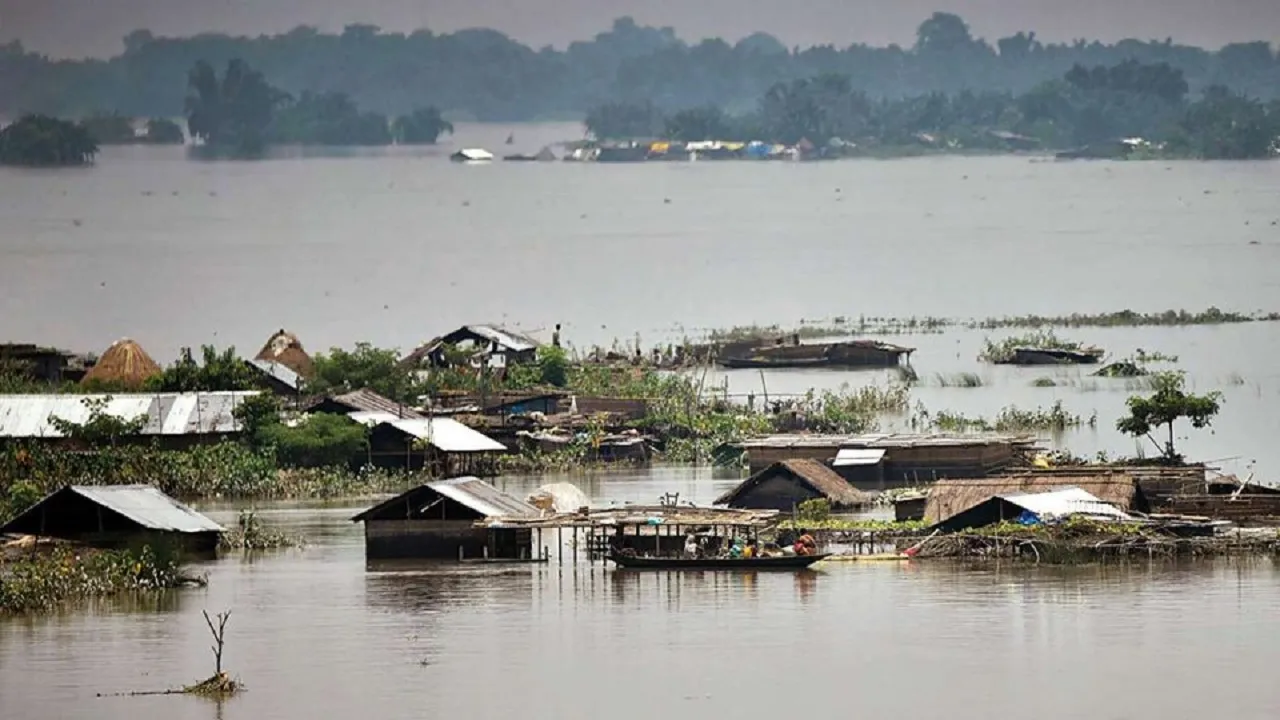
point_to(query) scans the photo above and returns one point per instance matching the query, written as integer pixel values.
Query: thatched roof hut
(283, 347)
(125, 364)
(948, 497)
(785, 484)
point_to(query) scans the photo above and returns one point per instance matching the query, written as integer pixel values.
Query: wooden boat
(780, 562)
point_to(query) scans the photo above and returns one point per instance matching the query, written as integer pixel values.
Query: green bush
(320, 440)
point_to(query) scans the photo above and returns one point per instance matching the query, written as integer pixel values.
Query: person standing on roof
(555, 336)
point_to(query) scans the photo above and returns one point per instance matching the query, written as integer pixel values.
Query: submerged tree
(423, 126)
(328, 119)
(41, 141)
(1169, 403)
(233, 113)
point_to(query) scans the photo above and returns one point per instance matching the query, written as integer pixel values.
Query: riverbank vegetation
(117, 129)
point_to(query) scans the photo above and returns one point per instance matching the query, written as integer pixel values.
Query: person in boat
(805, 544)
(691, 546)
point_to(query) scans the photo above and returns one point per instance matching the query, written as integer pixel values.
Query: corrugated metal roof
(504, 338)
(28, 416)
(370, 419)
(446, 434)
(147, 506)
(278, 372)
(858, 456)
(882, 440)
(484, 498)
(366, 400)
(1064, 502)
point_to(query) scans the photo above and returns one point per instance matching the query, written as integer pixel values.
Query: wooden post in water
(560, 545)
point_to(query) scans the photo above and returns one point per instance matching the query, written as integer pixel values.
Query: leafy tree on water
(327, 119)
(1170, 403)
(40, 141)
(233, 113)
(423, 126)
(365, 366)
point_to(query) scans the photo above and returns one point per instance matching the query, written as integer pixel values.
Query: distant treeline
(486, 75)
(1147, 105)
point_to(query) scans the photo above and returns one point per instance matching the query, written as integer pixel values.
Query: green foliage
(40, 141)
(1229, 126)
(423, 126)
(21, 495)
(255, 414)
(695, 124)
(553, 366)
(1170, 403)
(855, 525)
(250, 534)
(44, 582)
(364, 367)
(1011, 419)
(109, 128)
(813, 511)
(232, 114)
(319, 440)
(101, 428)
(161, 131)
(217, 371)
(327, 119)
(617, 120)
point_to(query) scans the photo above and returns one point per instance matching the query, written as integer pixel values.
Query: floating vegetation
(1235, 378)
(1055, 418)
(44, 581)
(854, 524)
(1127, 318)
(1002, 351)
(1142, 357)
(250, 534)
(1122, 369)
(1043, 382)
(961, 380)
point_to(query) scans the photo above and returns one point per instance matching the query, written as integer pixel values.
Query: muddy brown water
(318, 633)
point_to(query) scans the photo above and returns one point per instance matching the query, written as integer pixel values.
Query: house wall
(426, 539)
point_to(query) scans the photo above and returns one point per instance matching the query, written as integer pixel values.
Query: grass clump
(1043, 382)
(43, 582)
(960, 380)
(1128, 318)
(1055, 418)
(250, 534)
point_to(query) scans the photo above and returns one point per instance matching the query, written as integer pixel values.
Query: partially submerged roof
(506, 340)
(1045, 506)
(29, 416)
(949, 497)
(444, 434)
(819, 478)
(884, 440)
(468, 491)
(142, 505)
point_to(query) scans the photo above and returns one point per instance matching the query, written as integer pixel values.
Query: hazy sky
(76, 28)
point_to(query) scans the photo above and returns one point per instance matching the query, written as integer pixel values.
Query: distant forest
(485, 75)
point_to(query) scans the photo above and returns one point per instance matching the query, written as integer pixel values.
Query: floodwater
(396, 245)
(314, 633)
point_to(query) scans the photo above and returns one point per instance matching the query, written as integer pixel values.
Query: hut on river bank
(124, 365)
(116, 516)
(438, 520)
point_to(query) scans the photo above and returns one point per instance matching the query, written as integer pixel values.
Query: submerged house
(784, 485)
(1032, 508)
(115, 516)
(45, 364)
(951, 497)
(854, 353)
(1053, 356)
(361, 401)
(880, 461)
(439, 520)
(441, 445)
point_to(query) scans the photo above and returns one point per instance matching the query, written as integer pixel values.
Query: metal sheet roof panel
(484, 498)
(858, 456)
(1065, 502)
(279, 372)
(30, 416)
(447, 434)
(148, 507)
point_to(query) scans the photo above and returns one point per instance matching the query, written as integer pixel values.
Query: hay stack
(285, 348)
(125, 364)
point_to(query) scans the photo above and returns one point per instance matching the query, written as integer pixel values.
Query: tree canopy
(1170, 403)
(486, 75)
(39, 141)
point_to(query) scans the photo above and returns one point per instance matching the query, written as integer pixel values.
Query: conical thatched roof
(125, 363)
(284, 347)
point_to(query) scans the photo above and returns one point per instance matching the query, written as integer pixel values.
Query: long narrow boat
(781, 562)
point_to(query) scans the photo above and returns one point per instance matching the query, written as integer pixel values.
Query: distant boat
(471, 155)
(781, 562)
(511, 139)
